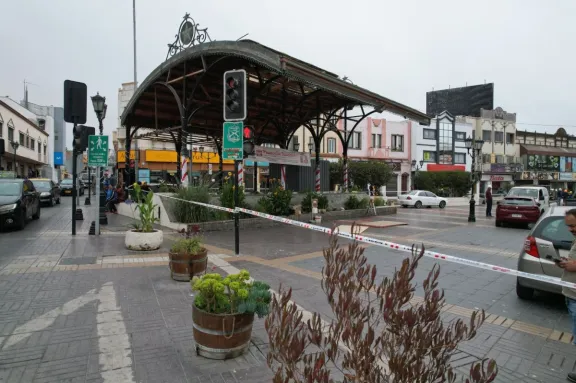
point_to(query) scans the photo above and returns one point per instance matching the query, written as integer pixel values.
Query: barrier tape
(392, 245)
(202, 204)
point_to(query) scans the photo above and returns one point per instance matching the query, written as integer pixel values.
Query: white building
(441, 146)
(18, 125)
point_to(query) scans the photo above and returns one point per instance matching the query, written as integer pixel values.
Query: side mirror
(542, 198)
(538, 204)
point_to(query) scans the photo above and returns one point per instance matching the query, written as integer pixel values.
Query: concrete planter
(137, 240)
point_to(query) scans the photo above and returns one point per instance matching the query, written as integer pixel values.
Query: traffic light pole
(74, 180)
(236, 214)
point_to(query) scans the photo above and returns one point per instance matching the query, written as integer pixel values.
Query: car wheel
(498, 223)
(442, 204)
(418, 205)
(404, 205)
(22, 223)
(37, 215)
(524, 292)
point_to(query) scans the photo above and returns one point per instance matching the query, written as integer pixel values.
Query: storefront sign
(501, 168)
(567, 164)
(497, 177)
(541, 162)
(566, 176)
(280, 156)
(543, 176)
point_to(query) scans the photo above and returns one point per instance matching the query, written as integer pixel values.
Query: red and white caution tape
(201, 204)
(404, 248)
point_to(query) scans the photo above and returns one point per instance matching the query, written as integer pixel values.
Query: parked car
(539, 193)
(517, 210)
(419, 198)
(49, 191)
(66, 187)
(19, 202)
(549, 239)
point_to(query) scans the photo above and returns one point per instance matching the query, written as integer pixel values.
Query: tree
(376, 173)
(377, 335)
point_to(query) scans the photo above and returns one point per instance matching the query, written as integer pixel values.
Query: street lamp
(296, 146)
(474, 148)
(100, 107)
(417, 166)
(15, 146)
(310, 147)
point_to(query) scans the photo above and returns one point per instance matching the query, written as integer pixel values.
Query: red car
(517, 210)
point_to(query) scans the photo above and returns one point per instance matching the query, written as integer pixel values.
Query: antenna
(240, 38)
(26, 83)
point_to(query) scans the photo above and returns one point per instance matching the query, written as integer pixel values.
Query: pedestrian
(120, 192)
(489, 202)
(111, 199)
(569, 275)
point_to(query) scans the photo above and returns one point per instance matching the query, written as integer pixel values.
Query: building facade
(441, 146)
(25, 143)
(547, 159)
(500, 152)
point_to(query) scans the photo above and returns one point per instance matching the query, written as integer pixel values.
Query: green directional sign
(97, 150)
(232, 141)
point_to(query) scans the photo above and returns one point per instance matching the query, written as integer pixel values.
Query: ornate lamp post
(310, 147)
(416, 166)
(15, 146)
(296, 146)
(474, 148)
(100, 107)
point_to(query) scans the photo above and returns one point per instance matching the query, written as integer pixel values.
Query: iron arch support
(200, 78)
(358, 123)
(176, 97)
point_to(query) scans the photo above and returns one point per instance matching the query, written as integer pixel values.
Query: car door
(34, 199)
(432, 199)
(27, 198)
(55, 190)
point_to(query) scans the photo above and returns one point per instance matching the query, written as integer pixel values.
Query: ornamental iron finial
(189, 34)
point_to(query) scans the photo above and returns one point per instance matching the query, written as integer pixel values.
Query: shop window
(460, 136)
(509, 138)
(429, 156)
(445, 143)
(460, 158)
(397, 143)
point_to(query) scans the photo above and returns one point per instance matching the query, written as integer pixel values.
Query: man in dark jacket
(489, 202)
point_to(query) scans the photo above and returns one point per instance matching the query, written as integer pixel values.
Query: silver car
(548, 240)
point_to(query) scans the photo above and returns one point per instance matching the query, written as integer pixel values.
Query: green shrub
(353, 203)
(186, 212)
(307, 201)
(227, 194)
(187, 246)
(379, 201)
(444, 184)
(360, 173)
(277, 201)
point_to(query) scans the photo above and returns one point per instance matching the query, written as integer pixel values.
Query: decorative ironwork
(189, 34)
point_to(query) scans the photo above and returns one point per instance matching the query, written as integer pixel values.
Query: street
(85, 309)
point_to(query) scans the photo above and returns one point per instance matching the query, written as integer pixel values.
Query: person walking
(111, 199)
(569, 275)
(489, 202)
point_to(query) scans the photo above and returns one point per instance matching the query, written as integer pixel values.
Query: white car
(419, 198)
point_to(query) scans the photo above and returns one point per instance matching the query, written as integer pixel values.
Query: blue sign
(58, 158)
(144, 175)
(251, 163)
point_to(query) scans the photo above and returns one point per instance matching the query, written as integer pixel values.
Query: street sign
(98, 151)
(233, 142)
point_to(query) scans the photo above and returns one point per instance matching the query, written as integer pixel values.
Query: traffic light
(77, 131)
(235, 95)
(248, 145)
(86, 132)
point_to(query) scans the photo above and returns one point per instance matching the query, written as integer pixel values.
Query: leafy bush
(444, 184)
(377, 334)
(191, 243)
(360, 173)
(227, 194)
(307, 201)
(187, 212)
(378, 201)
(232, 294)
(146, 209)
(165, 188)
(353, 203)
(277, 201)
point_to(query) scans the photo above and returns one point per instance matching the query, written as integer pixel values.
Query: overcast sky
(399, 49)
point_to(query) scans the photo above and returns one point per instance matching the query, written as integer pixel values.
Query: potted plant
(223, 313)
(143, 236)
(188, 257)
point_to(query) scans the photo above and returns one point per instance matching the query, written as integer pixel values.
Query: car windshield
(554, 229)
(520, 192)
(66, 182)
(10, 188)
(42, 185)
(517, 201)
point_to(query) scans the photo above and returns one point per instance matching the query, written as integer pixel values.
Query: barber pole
(346, 176)
(240, 173)
(184, 171)
(317, 181)
(283, 176)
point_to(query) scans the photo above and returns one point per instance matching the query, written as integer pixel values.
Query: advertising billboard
(464, 101)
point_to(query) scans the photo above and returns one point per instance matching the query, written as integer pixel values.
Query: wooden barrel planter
(221, 336)
(185, 266)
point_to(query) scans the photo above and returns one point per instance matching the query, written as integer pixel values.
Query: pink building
(388, 141)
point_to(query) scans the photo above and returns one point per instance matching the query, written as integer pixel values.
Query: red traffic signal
(248, 133)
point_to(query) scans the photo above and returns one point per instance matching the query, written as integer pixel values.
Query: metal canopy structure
(182, 99)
